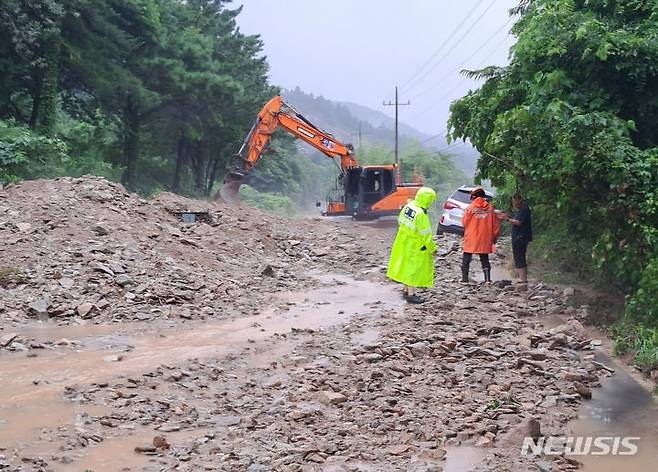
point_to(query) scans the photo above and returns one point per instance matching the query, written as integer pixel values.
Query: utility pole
(396, 104)
(359, 133)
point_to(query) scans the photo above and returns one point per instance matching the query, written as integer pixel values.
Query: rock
(160, 442)
(569, 292)
(102, 303)
(84, 308)
(6, 339)
(321, 252)
(420, 349)
(24, 227)
(123, 280)
(258, 468)
(502, 283)
(549, 401)
(267, 271)
(398, 449)
(228, 420)
(101, 268)
(538, 354)
(559, 340)
(40, 307)
(66, 282)
(146, 449)
(100, 231)
(583, 390)
(486, 440)
(534, 428)
(332, 398)
(371, 357)
(314, 457)
(169, 428)
(176, 376)
(544, 466)
(114, 358)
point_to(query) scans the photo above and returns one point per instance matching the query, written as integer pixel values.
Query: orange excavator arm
(278, 114)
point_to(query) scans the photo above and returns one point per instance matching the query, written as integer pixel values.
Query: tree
(571, 123)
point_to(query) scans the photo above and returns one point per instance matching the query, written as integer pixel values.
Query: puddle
(32, 388)
(118, 453)
(463, 458)
(367, 337)
(621, 407)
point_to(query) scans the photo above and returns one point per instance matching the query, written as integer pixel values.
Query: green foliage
(271, 202)
(26, 154)
(571, 123)
(158, 93)
(10, 276)
(639, 340)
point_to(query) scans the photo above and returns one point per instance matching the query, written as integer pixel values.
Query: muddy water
(31, 388)
(463, 458)
(621, 407)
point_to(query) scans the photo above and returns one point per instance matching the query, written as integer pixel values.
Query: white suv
(453, 210)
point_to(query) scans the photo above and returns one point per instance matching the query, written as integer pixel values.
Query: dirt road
(132, 341)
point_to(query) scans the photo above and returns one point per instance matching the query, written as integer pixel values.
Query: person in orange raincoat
(481, 230)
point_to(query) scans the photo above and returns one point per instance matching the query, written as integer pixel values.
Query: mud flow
(622, 407)
(31, 387)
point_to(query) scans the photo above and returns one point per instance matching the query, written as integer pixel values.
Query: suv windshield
(462, 196)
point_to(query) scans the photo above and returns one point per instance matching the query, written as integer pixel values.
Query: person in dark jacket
(521, 236)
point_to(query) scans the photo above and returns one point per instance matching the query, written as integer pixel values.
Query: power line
(459, 84)
(461, 64)
(454, 46)
(431, 138)
(443, 45)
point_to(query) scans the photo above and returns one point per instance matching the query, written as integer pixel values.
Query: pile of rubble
(85, 249)
(472, 366)
(387, 389)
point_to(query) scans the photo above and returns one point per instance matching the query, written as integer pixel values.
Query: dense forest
(571, 123)
(156, 93)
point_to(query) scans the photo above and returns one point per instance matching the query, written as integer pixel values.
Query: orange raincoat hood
(480, 202)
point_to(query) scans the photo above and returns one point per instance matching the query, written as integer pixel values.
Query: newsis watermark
(581, 446)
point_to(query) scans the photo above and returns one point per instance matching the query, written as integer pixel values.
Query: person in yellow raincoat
(412, 254)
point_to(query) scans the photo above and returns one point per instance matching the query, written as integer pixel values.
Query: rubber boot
(415, 299)
(487, 274)
(464, 274)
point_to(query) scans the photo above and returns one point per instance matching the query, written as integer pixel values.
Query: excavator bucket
(230, 192)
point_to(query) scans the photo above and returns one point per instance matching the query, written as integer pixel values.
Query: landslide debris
(472, 366)
(85, 248)
(388, 390)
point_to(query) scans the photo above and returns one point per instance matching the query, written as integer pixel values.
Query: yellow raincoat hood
(425, 197)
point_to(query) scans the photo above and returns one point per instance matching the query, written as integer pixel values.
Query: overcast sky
(358, 50)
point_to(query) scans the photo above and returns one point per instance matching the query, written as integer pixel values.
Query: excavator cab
(364, 187)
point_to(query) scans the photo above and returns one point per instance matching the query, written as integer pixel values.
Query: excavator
(364, 192)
